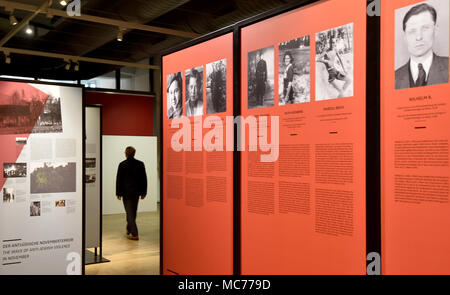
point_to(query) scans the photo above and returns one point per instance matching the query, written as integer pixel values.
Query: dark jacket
(438, 73)
(131, 178)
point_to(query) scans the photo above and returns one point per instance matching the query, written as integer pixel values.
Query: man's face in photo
(420, 31)
(193, 88)
(174, 94)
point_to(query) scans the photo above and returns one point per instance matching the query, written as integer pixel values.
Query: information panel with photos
(41, 152)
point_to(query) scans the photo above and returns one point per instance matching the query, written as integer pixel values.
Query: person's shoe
(134, 238)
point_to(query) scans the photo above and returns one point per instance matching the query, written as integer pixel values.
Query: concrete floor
(129, 257)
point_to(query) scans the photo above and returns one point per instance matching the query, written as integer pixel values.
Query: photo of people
(174, 96)
(52, 178)
(194, 92)
(294, 71)
(261, 78)
(422, 44)
(50, 120)
(89, 178)
(334, 63)
(14, 170)
(21, 140)
(8, 195)
(35, 208)
(216, 87)
(60, 203)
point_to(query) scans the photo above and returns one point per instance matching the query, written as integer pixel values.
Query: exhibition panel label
(197, 166)
(41, 213)
(303, 76)
(415, 138)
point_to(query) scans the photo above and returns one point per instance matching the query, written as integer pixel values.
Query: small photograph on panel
(194, 92)
(422, 44)
(21, 140)
(334, 63)
(90, 163)
(52, 178)
(50, 119)
(90, 178)
(35, 208)
(14, 170)
(294, 71)
(216, 87)
(261, 78)
(9, 195)
(60, 203)
(174, 96)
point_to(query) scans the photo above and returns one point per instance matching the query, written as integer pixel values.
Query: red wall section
(124, 114)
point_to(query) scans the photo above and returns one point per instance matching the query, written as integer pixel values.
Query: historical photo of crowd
(52, 177)
(216, 87)
(8, 195)
(294, 71)
(21, 140)
(194, 92)
(174, 96)
(90, 163)
(334, 63)
(14, 170)
(25, 109)
(35, 208)
(261, 78)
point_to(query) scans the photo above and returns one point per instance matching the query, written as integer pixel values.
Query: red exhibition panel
(414, 137)
(303, 210)
(198, 183)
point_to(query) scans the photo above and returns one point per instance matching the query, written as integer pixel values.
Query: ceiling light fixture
(77, 66)
(67, 67)
(63, 2)
(13, 20)
(7, 57)
(120, 35)
(29, 30)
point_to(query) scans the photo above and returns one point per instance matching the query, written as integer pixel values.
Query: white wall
(113, 154)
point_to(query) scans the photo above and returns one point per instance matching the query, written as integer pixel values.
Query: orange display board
(414, 137)
(303, 212)
(198, 183)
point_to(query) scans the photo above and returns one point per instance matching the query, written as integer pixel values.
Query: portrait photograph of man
(174, 96)
(194, 92)
(422, 44)
(261, 78)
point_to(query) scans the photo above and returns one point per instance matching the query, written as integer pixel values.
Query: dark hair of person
(417, 10)
(175, 77)
(195, 74)
(287, 53)
(130, 151)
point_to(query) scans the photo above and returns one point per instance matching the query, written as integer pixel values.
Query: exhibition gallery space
(235, 137)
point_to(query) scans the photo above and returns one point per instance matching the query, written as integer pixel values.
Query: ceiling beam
(97, 19)
(78, 58)
(24, 22)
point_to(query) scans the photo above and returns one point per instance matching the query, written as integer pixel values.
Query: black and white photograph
(174, 96)
(14, 170)
(9, 195)
(216, 87)
(20, 107)
(50, 120)
(294, 71)
(60, 203)
(422, 44)
(52, 178)
(35, 208)
(261, 78)
(21, 140)
(90, 178)
(334, 63)
(194, 92)
(90, 163)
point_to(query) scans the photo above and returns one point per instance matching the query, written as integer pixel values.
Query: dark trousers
(131, 205)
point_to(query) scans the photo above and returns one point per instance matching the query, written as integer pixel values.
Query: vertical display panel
(41, 212)
(415, 137)
(197, 167)
(303, 197)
